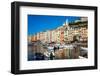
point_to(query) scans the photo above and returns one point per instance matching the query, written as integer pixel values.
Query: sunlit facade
(64, 33)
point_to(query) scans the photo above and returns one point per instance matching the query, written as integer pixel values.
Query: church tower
(66, 24)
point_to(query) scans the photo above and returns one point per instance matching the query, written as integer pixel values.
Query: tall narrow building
(66, 30)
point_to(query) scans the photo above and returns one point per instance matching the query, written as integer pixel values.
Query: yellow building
(29, 38)
(38, 36)
(58, 35)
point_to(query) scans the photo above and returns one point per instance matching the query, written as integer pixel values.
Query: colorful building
(64, 33)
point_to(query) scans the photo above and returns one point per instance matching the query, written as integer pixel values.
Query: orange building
(34, 38)
(61, 35)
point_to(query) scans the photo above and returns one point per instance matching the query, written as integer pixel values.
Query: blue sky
(39, 23)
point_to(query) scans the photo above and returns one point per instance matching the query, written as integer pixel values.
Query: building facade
(64, 33)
